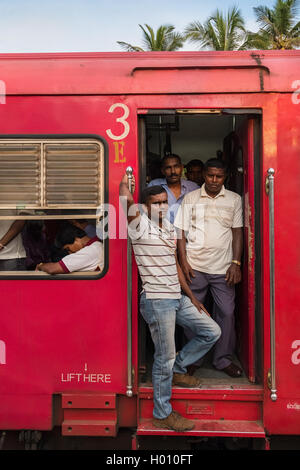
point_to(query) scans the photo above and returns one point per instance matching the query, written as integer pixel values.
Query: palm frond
(148, 37)
(278, 24)
(164, 39)
(129, 47)
(194, 31)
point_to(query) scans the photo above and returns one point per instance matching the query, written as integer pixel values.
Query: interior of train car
(233, 136)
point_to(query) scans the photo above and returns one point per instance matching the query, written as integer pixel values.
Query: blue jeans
(161, 316)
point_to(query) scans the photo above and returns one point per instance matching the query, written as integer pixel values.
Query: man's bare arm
(186, 289)
(181, 248)
(131, 208)
(15, 228)
(50, 268)
(234, 274)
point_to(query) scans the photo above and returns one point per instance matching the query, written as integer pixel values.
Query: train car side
(64, 342)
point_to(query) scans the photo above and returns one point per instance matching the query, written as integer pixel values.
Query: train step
(89, 415)
(211, 407)
(208, 428)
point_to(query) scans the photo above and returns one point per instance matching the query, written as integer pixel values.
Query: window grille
(62, 174)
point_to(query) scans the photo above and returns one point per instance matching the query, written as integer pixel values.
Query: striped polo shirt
(154, 249)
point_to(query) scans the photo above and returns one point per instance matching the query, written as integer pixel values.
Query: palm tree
(165, 39)
(220, 32)
(278, 26)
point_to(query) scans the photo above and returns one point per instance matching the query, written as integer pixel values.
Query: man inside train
(194, 171)
(210, 243)
(84, 253)
(175, 186)
(162, 303)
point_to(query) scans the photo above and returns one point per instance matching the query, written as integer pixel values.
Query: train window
(45, 183)
(51, 174)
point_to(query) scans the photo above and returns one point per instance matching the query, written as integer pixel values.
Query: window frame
(85, 275)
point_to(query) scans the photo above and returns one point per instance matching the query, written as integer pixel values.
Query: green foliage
(278, 29)
(221, 32)
(165, 39)
(278, 26)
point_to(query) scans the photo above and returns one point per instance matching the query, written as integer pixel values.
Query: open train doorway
(233, 136)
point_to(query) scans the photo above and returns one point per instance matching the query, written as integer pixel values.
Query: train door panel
(239, 152)
(281, 270)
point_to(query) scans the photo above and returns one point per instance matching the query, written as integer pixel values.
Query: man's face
(157, 207)
(172, 170)
(75, 246)
(214, 179)
(194, 174)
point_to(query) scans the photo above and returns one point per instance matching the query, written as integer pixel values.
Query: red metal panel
(68, 335)
(246, 290)
(127, 411)
(242, 403)
(19, 411)
(209, 428)
(221, 392)
(90, 415)
(70, 400)
(213, 409)
(282, 149)
(89, 428)
(156, 72)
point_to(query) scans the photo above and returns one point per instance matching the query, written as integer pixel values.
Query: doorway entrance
(233, 136)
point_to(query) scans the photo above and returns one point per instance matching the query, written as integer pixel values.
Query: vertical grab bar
(271, 173)
(129, 392)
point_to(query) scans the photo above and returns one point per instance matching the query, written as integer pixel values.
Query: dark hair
(151, 191)
(166, 157)
(215, 163)
(194, 162)
(67, 235)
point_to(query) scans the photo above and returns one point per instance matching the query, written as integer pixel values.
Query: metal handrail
(129, 392)
(271, 173)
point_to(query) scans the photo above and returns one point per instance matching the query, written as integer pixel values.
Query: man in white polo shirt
(210, 248)
(85, 253)
(162, 303)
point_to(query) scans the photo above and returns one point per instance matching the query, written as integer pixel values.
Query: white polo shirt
(15, 248)
(89, 258)
(207, 222)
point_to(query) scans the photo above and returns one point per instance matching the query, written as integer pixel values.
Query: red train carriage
(74, 352)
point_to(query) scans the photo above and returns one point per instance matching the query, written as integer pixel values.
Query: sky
(97, 25)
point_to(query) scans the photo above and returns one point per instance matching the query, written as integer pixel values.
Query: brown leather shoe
(185, 380)
(175, 422)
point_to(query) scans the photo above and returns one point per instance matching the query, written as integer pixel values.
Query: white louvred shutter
(73, 175)
(58, 174)
(20, 174)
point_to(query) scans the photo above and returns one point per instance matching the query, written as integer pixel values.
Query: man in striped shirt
(162, 303)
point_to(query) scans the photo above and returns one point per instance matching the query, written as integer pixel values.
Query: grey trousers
(223, 313)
